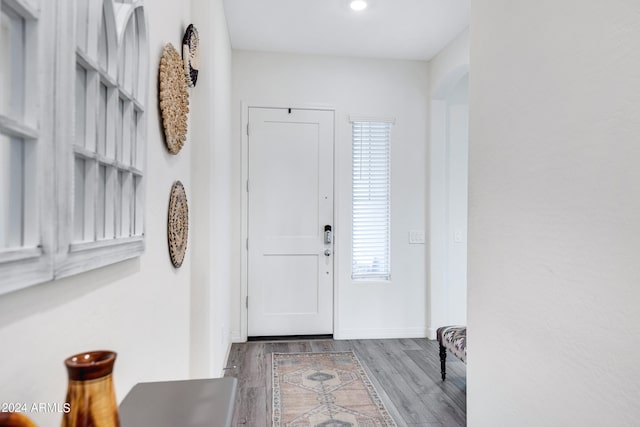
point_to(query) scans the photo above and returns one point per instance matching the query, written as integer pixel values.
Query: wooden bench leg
(443, 359)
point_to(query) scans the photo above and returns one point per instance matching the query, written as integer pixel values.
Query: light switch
(416, 237)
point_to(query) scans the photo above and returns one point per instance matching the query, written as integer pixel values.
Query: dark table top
(189, 403)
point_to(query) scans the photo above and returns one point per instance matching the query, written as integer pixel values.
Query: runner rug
(324, 389)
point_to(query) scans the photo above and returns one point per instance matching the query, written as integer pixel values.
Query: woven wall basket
(174, 98)
(178, 224)
(191, 54)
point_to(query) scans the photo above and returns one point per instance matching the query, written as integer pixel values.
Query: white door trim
(244, 253)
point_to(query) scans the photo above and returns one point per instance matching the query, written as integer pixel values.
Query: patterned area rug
(325, 390)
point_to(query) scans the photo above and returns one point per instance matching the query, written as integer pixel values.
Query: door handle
(327, 252)
(328, 235)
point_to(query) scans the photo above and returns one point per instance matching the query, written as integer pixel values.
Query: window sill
(83, 257)
(12, 255)
(371, 281)
(80, 247)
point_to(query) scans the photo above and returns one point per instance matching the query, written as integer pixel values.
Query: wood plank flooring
(405, 372)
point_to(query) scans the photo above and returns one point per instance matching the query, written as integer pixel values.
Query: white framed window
(25, 143)
(371, 199)
(73, 196)
(108, 137)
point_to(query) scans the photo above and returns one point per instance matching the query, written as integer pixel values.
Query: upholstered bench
(453, 338)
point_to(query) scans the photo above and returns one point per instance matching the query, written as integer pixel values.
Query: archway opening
(448, 200)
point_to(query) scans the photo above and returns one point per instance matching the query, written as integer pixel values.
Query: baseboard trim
(349, 334)
(225, 365)
(290, 337)
(237, 337)
(375, 333)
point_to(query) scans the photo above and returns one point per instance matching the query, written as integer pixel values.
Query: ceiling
(399, 29)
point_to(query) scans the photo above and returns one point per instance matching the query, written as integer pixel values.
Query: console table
(190, 403)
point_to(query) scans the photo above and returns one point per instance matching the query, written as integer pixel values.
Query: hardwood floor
(405, 372)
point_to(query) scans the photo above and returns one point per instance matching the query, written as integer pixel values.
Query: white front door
(290, 277)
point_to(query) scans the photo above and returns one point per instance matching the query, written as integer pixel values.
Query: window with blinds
(371, 199)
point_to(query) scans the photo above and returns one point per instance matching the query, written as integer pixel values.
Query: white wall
(457, 194)
(448, 150)
(364, 87)
(449, 66)
(211, 209)
(554, 235)
(139, 308)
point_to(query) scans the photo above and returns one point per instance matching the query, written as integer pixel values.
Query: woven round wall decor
(178, 224)
(191, 54)
(174, 99)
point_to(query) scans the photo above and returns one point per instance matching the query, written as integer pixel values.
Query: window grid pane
(138, 212)
(110, 203)
(371, 198)
(136, 55)
(101, 202)
(102, 119)
(134, 137)
(127, 191)
(120, 129)
(81, 24)
(78, 200)
(118, 210)
(81, 105)
(12, 62)
(125, 154)
(12, 187)
(129, 58)
(136, 156)
(103, 46)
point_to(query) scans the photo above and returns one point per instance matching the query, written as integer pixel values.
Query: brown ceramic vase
(90, 394)
(14, 419)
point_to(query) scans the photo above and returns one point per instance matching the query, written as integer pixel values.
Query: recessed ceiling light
(358, 5)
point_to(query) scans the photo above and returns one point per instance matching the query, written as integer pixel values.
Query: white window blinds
(371, 199)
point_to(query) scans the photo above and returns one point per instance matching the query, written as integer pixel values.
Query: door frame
(439, 238)
(244, 253)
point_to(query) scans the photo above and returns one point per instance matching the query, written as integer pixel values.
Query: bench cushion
(454, 338)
